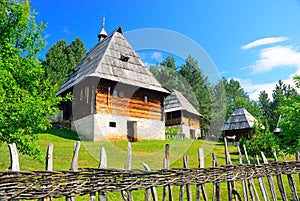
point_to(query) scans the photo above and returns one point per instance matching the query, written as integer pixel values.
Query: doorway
(132, 131)
(192, 134)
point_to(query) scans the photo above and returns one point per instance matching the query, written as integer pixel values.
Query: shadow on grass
(63, 133)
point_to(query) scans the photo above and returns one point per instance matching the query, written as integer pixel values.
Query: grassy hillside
(151, 152)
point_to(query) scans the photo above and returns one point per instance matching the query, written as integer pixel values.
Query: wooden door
(132, 131)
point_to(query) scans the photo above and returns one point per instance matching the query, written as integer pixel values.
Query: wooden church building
(115, 96)
(181, 114)
(239, 124)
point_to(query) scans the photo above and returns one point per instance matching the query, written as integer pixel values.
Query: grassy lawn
(151, 152)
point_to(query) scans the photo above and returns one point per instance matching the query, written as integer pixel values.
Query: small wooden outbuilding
(115, 96)
(182, 115)
(239, 124)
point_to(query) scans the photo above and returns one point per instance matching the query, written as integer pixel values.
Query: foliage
(280, 93)
(235, 95)
(172, 130)
(25, 98)
(262, 140)
(290, 122)
(201, 88)
(61, 59)
(265, 107)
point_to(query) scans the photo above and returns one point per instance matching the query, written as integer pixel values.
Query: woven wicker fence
(54, 184)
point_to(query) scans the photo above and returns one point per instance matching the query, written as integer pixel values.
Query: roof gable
(176, 101)
(106, 60)
(239, 119)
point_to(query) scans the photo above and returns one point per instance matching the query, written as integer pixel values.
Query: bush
(262, 141)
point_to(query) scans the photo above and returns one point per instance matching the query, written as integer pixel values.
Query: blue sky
(256, 42)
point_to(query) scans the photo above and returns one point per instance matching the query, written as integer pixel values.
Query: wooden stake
(270, 179)
(291, 182)
(216, 190)
(153, 189)
(250, 181)
(201, 165)
(14, 157)
(188, 187)
(280, 182)
(243, 181)
(262, 184)
(102, 196)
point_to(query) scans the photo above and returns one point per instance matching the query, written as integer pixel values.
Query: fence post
(230, 185)
(270, 178)
(102, 196)
(14, 157)
(202, 186)
(298, 159)
(49, 166)
(291, 182)
(164, 187)
(14, 161)
(262, 184)
(153, 189)
(216, 187)
(167, 156)
(128, 197)
(244, 180)
(188, 187)
(74, 165)
(279, 181)
(250, 181)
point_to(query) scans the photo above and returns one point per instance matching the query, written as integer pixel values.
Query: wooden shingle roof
(239, 119)
(176, 101)
(106, 60)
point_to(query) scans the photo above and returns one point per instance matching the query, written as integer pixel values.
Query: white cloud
(264, 41)
(275, 57)
(47, 36)
(66, 30)
(157, 56)
(253, 90)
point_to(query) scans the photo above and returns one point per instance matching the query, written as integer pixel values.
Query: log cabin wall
(83, 103)
(125, 100)
(239, 133)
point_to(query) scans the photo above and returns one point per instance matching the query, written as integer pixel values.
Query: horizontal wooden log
(37, 184)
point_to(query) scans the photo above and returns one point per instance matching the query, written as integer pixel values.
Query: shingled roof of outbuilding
(106, 60)
(176, 101)
(239, 119)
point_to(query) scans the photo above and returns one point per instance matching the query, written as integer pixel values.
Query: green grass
(151, 152)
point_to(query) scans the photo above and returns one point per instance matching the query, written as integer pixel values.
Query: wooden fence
(48, 184)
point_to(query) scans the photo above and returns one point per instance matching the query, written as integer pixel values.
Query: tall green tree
(61, 59)
(26, 99)
(234, 92)
(289, 137)
(201, 88)
(280, 92)
(265, 107)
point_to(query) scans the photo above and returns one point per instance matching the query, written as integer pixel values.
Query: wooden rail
(48, 184)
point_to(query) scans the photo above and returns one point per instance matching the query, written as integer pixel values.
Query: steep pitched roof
(176, 101)
(239, 119)
(105, 61)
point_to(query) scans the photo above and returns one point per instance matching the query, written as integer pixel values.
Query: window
(116, 93)
(124, 58)
(87, 89)
(112, 124)
(146, 99)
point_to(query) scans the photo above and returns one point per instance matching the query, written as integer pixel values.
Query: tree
(289, 109)
(265, 107)
(280, 92)
(201, 88)
(234, 92)
(61, 59)
(25, 98)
